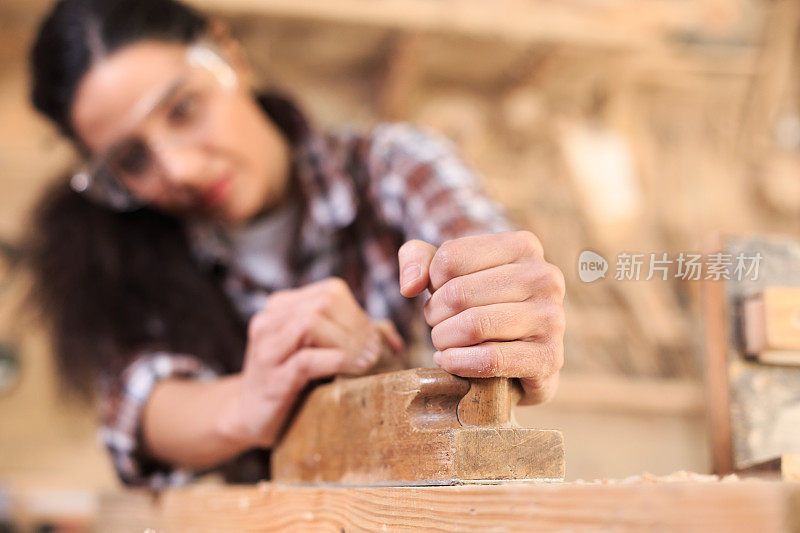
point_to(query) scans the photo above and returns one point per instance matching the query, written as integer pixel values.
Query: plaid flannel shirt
(364, 196)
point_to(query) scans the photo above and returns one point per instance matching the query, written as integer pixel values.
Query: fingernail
(409, 274)
(437, 357)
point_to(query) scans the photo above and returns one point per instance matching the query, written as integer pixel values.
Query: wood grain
(489, 402)
(702, 507)
(404, 428)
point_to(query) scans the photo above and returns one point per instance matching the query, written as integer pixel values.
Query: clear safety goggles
(180, 115)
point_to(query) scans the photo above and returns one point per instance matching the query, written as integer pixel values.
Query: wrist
(231, 425)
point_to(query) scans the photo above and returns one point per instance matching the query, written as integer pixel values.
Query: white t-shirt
(276, 231)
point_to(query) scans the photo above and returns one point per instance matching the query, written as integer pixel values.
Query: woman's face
(203, 150)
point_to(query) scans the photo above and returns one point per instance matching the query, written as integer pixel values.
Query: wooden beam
(775, 67)
(700, 506)
(401, 77)
(716, 366)
(555, 22)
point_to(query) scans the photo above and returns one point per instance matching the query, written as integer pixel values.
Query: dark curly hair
(112, 284)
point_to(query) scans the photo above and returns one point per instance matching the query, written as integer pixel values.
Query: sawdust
(681, 476)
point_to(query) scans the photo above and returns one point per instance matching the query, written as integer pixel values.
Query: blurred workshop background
(609, 125)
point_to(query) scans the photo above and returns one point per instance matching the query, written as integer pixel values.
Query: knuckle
(529, 276)
(552, 357)
(281, 374)
(496, 357)
(300, 370)
(438, 334)
(307, 324)
(256, 325)
(556, 278)
(445, 260)
(324, 300)
(335, 286)
(548, 278)
(554, 320)
(528, 243)
(456, 295)
(263, 358)
(343, 363)
(478, 323)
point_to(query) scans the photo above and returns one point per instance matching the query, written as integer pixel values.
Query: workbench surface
(728, 506)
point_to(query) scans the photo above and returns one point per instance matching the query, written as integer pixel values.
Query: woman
(216, 253)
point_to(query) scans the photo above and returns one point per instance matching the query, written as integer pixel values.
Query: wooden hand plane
(414, 427)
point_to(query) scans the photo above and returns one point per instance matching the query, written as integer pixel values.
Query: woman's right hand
(312, 332)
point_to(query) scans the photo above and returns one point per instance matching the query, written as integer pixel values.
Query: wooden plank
(420, 426)
(731, 507)
(511, 21)
(614, 24)
(772, 325)
(716, 367)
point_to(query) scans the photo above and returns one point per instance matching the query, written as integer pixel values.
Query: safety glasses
(180, 115)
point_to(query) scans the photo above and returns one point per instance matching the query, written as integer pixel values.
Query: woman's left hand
(496, 307)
